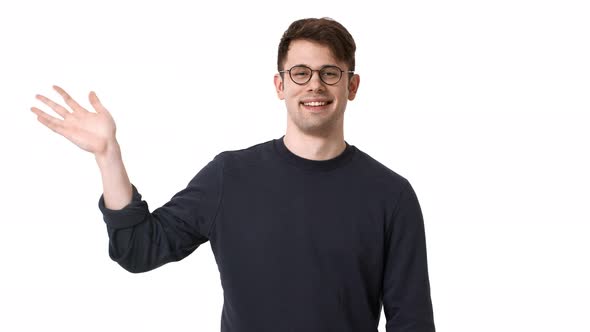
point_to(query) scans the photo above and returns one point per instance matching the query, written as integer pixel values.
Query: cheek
(291, 95)
(290, 100)
(341, 95)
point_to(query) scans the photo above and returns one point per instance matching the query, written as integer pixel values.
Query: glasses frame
(319, 73)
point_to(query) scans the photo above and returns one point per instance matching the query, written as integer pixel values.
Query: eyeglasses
(301, 74)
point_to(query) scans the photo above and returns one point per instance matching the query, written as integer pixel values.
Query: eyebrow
(323, 66)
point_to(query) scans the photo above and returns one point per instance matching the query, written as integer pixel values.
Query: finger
(95, 102)
(68, 99)
(49, 121)
(54, 106)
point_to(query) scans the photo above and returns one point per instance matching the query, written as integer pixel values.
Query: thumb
(95, 102)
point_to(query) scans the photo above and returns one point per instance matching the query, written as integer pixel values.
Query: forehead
(309, 53)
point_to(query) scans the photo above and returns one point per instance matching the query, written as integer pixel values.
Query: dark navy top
(301, 245)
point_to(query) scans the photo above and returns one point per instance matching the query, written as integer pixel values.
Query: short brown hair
(324, 31)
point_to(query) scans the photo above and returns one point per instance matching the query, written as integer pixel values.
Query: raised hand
(90, 131)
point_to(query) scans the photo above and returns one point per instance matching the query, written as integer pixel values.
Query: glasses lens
(300, 74)
(330, 74)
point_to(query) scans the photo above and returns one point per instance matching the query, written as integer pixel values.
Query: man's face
(315, 108)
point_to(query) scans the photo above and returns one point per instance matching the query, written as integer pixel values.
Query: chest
(292, 218)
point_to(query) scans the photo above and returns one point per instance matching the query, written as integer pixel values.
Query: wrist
(111, 153)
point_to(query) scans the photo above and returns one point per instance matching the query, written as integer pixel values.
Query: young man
(309, 232)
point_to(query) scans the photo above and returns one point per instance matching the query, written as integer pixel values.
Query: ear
(279, 86)
(353, 86)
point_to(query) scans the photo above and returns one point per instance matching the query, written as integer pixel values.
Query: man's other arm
(406, 287)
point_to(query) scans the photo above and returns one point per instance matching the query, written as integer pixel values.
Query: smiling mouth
(316, 103)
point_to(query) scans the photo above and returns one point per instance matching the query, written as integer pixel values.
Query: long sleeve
(406, 287)
(141, 241)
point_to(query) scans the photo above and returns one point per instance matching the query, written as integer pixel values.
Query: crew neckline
(309, 164)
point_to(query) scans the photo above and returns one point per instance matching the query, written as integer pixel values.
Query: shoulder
(245, 157)
(370, 169)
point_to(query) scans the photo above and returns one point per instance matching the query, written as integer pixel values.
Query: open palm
(90, 131)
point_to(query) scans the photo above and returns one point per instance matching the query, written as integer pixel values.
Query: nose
(315, 83)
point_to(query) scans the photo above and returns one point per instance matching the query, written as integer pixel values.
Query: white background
(482, 105)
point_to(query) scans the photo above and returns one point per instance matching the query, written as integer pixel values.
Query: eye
(299, 72)
(330, 72)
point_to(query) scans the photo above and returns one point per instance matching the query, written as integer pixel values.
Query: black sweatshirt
(301, 245)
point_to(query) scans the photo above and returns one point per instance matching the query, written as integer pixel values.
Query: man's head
(323, 31)
(315, 104)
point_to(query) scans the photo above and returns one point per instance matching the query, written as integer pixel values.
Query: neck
(315, 147)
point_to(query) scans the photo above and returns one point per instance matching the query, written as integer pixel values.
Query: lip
(315, 108)
(321, 100)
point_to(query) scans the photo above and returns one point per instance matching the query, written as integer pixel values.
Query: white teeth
(316, 103)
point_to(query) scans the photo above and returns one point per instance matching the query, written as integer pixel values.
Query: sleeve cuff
(133, 213)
